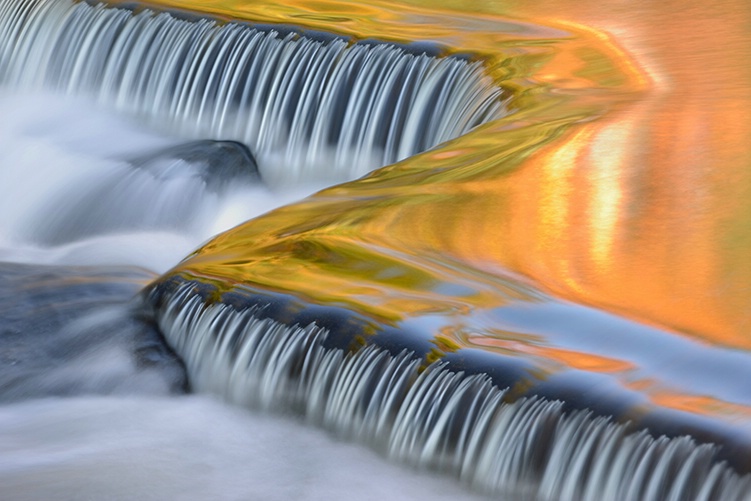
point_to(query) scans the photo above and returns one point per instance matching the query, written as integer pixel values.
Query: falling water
(117, 434)
(311, 109)
(84, 187)
(435, 418)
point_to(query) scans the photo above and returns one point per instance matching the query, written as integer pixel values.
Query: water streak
(314, 109)
(435, 418)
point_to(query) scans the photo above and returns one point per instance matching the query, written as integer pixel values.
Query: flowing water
(75, 194)
(452, 312)
(320, 109)
(134, 441)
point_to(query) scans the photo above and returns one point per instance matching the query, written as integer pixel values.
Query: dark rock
(217, 163)
(166, 190)
(77, 330)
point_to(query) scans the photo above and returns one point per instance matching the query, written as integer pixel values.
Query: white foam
(55, 149)
(188, 448)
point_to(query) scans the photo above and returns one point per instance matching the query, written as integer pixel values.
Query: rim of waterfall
(343, 307)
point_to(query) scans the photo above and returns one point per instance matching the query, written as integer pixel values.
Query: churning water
(135, 441)
(59, 154)
(192, 448)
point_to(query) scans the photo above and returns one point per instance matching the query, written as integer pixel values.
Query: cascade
(308, 109)
(431, 416)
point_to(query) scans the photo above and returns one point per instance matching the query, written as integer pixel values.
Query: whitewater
(140, 441)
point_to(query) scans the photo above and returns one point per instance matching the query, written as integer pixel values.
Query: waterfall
(432, 417)
(308, 109)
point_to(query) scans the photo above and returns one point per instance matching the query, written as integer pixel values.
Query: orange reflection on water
(668, 193)
(620, 180)
(703, 405)
(514, 343)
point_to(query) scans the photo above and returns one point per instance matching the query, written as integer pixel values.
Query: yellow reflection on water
(607, 199)
(621, 179)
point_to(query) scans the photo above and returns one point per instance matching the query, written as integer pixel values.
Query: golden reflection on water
(621, 179)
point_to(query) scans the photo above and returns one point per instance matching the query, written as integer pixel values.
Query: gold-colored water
(621, 180)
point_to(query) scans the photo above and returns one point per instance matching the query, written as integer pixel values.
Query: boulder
(77, 330)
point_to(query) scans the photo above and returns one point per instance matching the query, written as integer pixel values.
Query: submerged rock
(75, 330)
(217, 163)
(171, 189)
